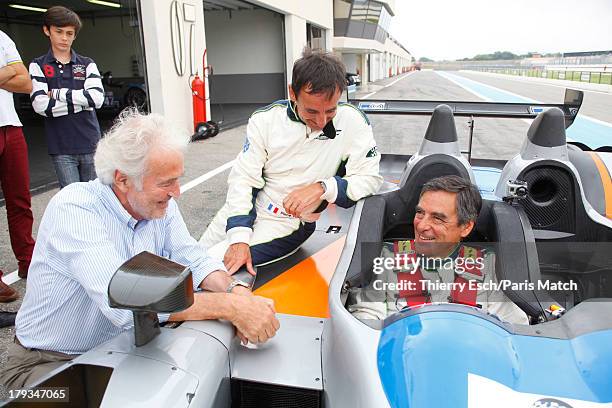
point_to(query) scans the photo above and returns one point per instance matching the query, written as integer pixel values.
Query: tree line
(500, 55)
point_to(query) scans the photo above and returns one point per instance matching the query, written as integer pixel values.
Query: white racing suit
(281, 154)
(382, 297)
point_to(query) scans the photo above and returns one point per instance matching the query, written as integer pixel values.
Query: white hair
(126, 146)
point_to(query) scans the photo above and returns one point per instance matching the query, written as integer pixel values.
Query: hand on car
(238, 254)
(255, 319)
(303, 200)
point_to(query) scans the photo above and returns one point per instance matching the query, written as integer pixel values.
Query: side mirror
(148, 284)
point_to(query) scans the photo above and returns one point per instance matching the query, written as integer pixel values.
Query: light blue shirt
(85, 235)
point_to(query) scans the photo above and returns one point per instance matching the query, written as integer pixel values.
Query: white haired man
(89, 229)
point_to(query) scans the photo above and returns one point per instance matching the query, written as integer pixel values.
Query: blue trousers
(72, 168)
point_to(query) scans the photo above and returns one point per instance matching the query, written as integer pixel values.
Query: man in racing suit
(436, 266)
(299, 155)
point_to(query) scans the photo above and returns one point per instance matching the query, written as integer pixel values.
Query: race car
(547, 211)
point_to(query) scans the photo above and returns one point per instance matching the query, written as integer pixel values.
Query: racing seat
(390, 215)
(439, 155)
(506, 229)
(500, 226)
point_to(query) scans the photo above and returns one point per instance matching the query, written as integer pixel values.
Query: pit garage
(245, 46)
(110, 35)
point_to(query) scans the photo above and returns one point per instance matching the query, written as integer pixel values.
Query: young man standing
(14, 170)
(66, 89)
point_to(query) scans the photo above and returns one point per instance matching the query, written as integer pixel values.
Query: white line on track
(191, 184)
(388, 85)
(14, 277)
(459, 84)
(11, 278)
(399, 79)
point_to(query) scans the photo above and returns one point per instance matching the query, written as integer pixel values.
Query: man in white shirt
(90, 229)
(299, 155)
(14, 170)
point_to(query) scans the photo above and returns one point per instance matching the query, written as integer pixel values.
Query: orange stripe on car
(303, 289)
(605, 181)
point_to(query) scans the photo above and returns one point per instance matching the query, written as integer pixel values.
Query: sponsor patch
(78, 72)
(276, 210)
(246, 145)
(538, 109)
(373, 152)
(372, 105)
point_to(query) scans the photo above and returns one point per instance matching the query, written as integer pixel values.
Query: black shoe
(7, 319)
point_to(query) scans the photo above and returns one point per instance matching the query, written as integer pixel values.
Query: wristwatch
(235, 283)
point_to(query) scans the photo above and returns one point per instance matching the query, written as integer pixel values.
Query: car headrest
(441, 128)
(403, 201)
(548, 129)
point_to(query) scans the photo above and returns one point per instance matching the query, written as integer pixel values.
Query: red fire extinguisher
(203, 129)
(198, 93)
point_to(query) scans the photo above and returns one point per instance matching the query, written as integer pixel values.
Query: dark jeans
(15, 181)
(72, 168)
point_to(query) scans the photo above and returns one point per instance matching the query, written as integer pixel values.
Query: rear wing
(570, 107)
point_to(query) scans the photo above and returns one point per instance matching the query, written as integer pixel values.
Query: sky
(447, 29)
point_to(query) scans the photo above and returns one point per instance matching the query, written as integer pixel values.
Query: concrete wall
(246, 50)
(254, 40)
(295, 41)
(92, 41)
(297, 14)
(246, 41)
(169, 92)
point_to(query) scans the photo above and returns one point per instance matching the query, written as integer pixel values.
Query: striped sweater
(66, 95)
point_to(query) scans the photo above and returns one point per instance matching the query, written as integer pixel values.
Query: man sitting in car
(435, 266)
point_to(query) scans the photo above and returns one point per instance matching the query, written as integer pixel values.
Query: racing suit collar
(292, 113)
(329, 131)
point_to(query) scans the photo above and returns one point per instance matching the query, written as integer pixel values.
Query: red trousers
(15, 182)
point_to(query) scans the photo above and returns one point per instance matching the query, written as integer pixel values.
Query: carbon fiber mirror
(148, 284)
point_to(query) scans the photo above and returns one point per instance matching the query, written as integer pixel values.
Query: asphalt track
(493, 138)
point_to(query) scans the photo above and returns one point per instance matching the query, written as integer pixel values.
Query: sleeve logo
(373, 152)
